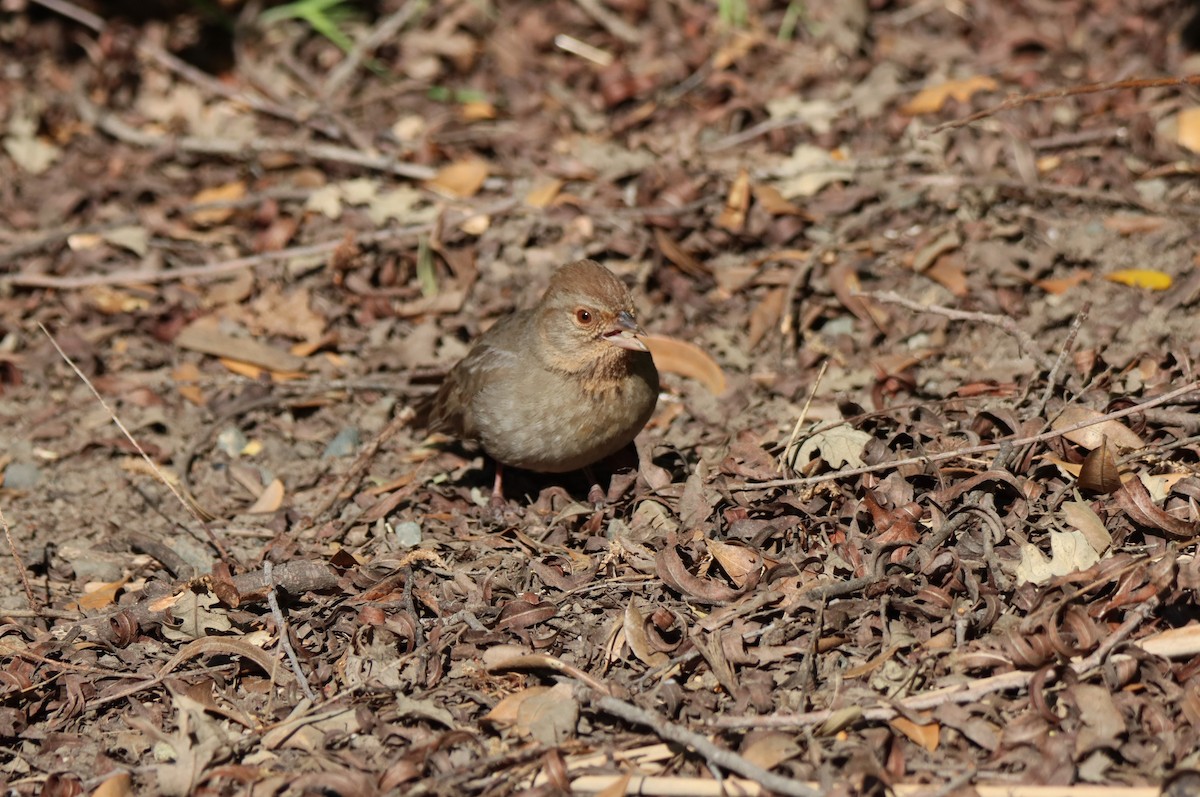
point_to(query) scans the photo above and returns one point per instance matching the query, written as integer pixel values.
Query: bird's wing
(450, 411)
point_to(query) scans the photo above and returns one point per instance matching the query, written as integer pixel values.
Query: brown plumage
(556, 387)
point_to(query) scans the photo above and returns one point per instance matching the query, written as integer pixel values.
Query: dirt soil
(916, 508)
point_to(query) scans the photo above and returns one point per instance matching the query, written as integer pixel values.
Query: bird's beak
(624, 333)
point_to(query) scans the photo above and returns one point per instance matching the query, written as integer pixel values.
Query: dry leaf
(1070, 552)
(119, 785)
(269, 500)
(1063, 284)
(229, 192)
(676, 254)
(1187, 129)
(933, 98)
(771, 749)
(1092, 437)
(1081, 516)
(948, 272)
(765, 316)
(99, 596)
(187, 377)
(686, 359)
(772, 201)
(742, 564)
(1099, 473)
(733, 217)
(202, 335)
(460, 180)
(542, 194)
(1128, 223)
(1141, 278)
(926, 736)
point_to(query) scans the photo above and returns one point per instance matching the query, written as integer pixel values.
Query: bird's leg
(496, 502)
(597, 495)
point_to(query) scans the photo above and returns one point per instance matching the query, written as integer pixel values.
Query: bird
(556, 387)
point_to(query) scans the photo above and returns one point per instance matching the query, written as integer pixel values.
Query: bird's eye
(583, 316)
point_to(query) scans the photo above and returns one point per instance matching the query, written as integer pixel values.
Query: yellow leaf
(931, 99)
(460, 180)
(1141, 278)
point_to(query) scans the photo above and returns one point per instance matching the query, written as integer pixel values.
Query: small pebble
(21, 476)
(345, 444)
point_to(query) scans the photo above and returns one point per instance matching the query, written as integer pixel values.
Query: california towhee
(556, 387)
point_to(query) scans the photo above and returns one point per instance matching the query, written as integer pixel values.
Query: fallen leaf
(1141, 278)
(1080, 516)
(1070, 552)
(460, 180)
(933, 98)
(1128, 223)
(733, 217)
(269, 500)
(99, 596)
(765, 316)
(677, 255)
(1063, 284)
(229, 192)
(841, 446)
(1187, 129)
(686, 359)
(926, 736)
(1092, 437)
(542, 194)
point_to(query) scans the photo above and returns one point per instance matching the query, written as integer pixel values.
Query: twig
(973, 450)
(34, 603)
(213, 270)
(188, 506)
(714, 755)
(383, 32)
(1004, 322)
(1068, 344)
(241, 150)
(610, 21)
(958, 693)
(185, 70)
(284, 640)
(1073, 91)
(345, 489)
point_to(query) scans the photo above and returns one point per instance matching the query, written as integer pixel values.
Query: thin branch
(385, 31)
(1073, 91)
(971, 451)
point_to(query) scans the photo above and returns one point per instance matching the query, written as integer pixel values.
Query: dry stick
(1074, 91)
(386, 30)
(974, 450)
(1052, 377)
(128, 436)
(185, 70)
(344, 490)
(240, 150)
(1046, 189)
(958, 693)
(34, 604)
(611, 22)
(713, 754)
(209, 270)
(284, 640)
(1004, 322)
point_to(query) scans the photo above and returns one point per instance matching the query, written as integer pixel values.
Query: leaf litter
(970, 564)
